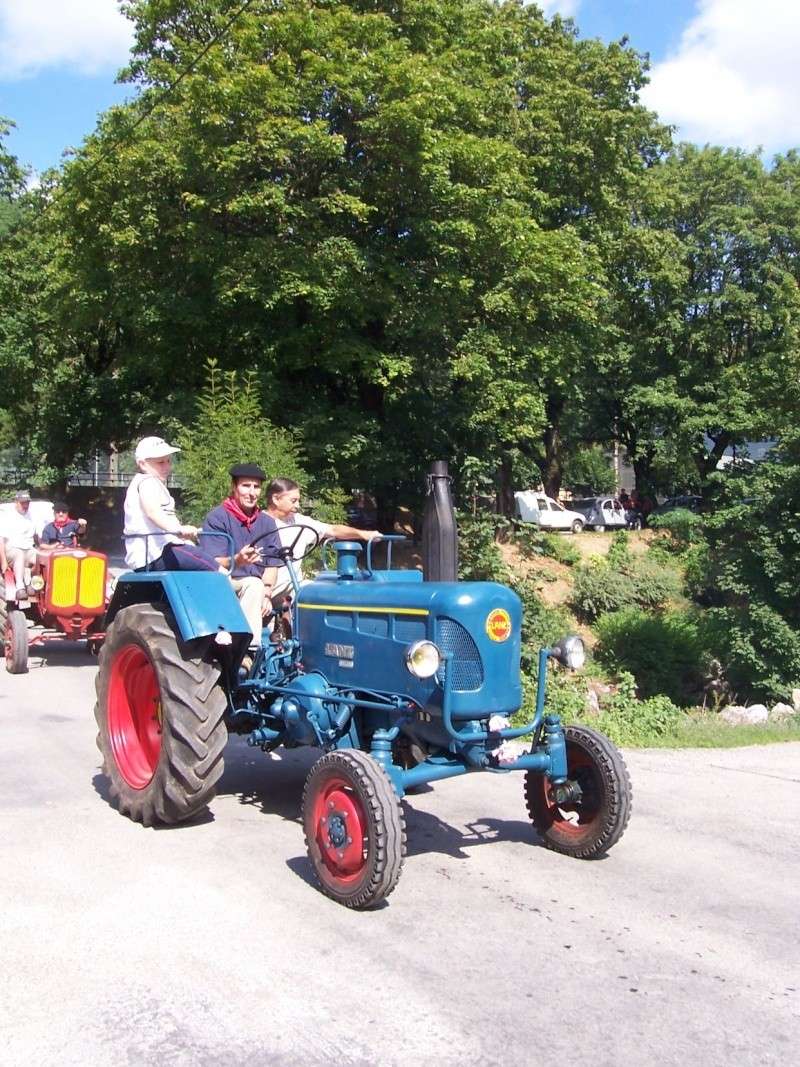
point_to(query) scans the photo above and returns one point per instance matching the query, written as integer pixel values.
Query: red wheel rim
(580, 768)
(134, 716)
(339, 829)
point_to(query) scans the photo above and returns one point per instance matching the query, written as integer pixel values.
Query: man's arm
(352, 533)
(3, 559)
(152, 500)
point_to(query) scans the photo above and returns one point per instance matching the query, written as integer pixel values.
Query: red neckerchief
(233, 508)
(60, 525)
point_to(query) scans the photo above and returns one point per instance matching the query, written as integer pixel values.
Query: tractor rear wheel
(354, 828)
(15, 639)
(159, 714)
(589, 826)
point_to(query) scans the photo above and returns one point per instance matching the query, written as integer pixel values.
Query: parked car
(602, 512)
(672, 503)
(546, 512)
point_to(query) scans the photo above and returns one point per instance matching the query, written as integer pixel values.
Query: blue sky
(724, 71)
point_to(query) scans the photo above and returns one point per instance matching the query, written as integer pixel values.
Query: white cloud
(87, 35)
(566, 8)
(735, 79)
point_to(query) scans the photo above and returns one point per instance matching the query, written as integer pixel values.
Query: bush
(230, 428)
(541, 624)
(630, 721)
(653, 584)
(619, 551)
(665, 654)
(759, 650)
(681, 526)
(479, 556)
(599, 589)
(531, 541)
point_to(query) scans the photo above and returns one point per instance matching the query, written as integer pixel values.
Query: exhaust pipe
(439, 530)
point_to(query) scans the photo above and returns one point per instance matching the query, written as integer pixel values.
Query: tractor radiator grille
(466, 662)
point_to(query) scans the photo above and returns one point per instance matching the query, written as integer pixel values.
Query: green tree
(391, 212)
(707, 354)
(229, 428)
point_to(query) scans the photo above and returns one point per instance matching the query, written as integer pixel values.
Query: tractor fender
(202, 602)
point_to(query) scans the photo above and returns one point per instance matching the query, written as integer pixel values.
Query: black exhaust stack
(439, 530)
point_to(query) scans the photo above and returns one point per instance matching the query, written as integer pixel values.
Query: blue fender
(203, 602)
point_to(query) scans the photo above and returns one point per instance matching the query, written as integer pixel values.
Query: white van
(546, 512)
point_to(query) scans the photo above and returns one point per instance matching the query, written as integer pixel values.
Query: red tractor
(68, 603)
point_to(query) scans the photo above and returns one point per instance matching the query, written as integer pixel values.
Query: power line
(160, 100)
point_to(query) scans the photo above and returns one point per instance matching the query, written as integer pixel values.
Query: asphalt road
(208, 944)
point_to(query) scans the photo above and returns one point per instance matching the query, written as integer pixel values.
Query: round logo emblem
(498, 624)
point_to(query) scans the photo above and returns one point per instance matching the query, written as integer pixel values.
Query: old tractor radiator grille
(466, 662)
(77, 583)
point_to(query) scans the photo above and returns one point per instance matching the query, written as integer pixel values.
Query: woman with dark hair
(283, 504)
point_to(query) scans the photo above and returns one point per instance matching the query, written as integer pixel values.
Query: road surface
(208, 944)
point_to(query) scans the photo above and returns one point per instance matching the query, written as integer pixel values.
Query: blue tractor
(397, 679)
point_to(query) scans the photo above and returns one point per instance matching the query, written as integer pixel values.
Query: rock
(736, 715)
(796, 699)
(592, 703)
(781, 712)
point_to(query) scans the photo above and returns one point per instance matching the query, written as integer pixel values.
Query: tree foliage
(228, 429)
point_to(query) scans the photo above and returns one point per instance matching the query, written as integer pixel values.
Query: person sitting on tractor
(19, 553)
(155, 539)
(254, 567)
(63, 531)
(283, 503)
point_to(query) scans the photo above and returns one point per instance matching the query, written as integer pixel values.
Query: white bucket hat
(153, 448)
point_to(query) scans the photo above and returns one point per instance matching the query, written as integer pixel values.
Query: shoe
(21, 594)
(246, 665)
(30, 591)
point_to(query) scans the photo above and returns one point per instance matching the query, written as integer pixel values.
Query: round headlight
(423, 659)
(571, 652)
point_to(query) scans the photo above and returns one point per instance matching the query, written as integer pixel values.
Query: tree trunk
(552, 467)
(505, 490)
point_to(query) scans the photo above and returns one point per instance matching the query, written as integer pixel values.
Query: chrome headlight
(423, 659)
(570, 651)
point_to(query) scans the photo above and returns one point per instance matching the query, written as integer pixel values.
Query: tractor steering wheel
(287, 551)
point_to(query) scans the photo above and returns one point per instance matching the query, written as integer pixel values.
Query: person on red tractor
(19, 534)
(254, 567)
(63, 531)
(155, 539)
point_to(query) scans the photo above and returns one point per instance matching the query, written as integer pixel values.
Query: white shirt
(305, 539)
(18, 529)
(142, 550)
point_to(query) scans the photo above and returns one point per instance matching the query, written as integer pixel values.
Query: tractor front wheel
(15, 639)
(588, 826)
(160, 722)
(354, 828)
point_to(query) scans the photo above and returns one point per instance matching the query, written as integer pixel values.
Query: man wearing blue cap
(253, 566)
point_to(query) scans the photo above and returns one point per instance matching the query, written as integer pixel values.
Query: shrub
(665, 654)
(653, 584)
(682, 527)
(758, 648)
(479, 556)
(629, 721)
(619, 551)
(561, 549)
(229, 428)
(541, 624)
(599, 589)
(532, 541)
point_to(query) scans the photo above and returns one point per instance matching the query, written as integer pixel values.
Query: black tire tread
(617, 783)
(194, 733)
(18, 625)
(385, 811)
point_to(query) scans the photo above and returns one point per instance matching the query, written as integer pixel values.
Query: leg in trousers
(250, 592)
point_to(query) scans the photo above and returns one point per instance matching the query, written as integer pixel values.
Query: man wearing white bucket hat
(155, 539)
